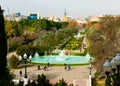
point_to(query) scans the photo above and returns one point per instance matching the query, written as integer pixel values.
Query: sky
(74, 8)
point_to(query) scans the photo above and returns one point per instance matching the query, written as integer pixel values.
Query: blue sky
(74, 8)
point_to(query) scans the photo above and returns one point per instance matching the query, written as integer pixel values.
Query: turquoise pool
(61, 60)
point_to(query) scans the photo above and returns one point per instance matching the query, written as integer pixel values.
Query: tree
(13, 61)
(14, 42)
(73, 24)
(3, 48)
(4, 72)
(10, 32)
(64, 24)
(61, 83)
(28, 49)
(45, 24)
(29, 36)
(47, 39)
(104, 42)
(43, 81)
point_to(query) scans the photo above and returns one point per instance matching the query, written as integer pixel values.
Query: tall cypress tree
(3, 49)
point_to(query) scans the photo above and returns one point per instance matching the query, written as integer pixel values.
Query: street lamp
(112, 76)
(25, 60)
(90, 68)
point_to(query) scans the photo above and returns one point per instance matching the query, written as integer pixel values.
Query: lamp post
(25, 60)
(110, 68)
(90, 68)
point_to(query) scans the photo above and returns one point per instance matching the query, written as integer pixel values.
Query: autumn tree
(13, 61)
(73, 24)
(104, 42)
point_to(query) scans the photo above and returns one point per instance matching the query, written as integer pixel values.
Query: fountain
(45, 53)
(61, 59)
(36, 55)
(61, 56)
(88, 55)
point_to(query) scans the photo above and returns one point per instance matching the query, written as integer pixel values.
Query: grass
(59, 64)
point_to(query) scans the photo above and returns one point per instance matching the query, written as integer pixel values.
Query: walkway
(55, 73)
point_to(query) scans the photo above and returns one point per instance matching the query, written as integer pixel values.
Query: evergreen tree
(5, 76)
(3, 48)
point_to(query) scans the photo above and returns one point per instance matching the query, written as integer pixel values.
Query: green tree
(22, 25)
(61, 83)
(10, 31)
(5, 78)
(36, 25)
(3, 48)
(45, 24)
(28, 49)
(43, 81)
(64, 24)
(47, 39)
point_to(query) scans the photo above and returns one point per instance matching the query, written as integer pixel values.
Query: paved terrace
(77, 74)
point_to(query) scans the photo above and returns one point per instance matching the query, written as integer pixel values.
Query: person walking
(38, 67)
(45, 67)
(20, 73)
(68, 66)
(48, 64)
(65, 67)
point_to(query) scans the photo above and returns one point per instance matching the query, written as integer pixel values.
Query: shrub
(30, 49)
(43, 81)
(61, 83)
(13, 61)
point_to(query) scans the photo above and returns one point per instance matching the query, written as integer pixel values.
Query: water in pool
(61, 59)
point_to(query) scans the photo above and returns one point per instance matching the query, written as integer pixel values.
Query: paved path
(55, 73)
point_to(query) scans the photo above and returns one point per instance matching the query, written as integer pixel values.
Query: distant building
(81, 21)
(45, 17)
(69, 18)
(54, 18)
(18, 14)
(15, 17)
(33, 16)
(94, 18)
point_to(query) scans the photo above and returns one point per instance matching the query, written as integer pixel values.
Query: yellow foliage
(96, 26)
(73, 24)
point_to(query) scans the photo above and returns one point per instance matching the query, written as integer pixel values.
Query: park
(67, 55)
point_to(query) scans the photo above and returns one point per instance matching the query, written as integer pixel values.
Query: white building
(81, 21)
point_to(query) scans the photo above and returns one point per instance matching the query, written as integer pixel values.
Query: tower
(65, 17)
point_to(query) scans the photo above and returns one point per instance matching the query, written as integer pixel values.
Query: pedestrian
(38, 67)
(48, 64)
(45, 67)
(65, 66)
(68, 66)
(20, 73)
